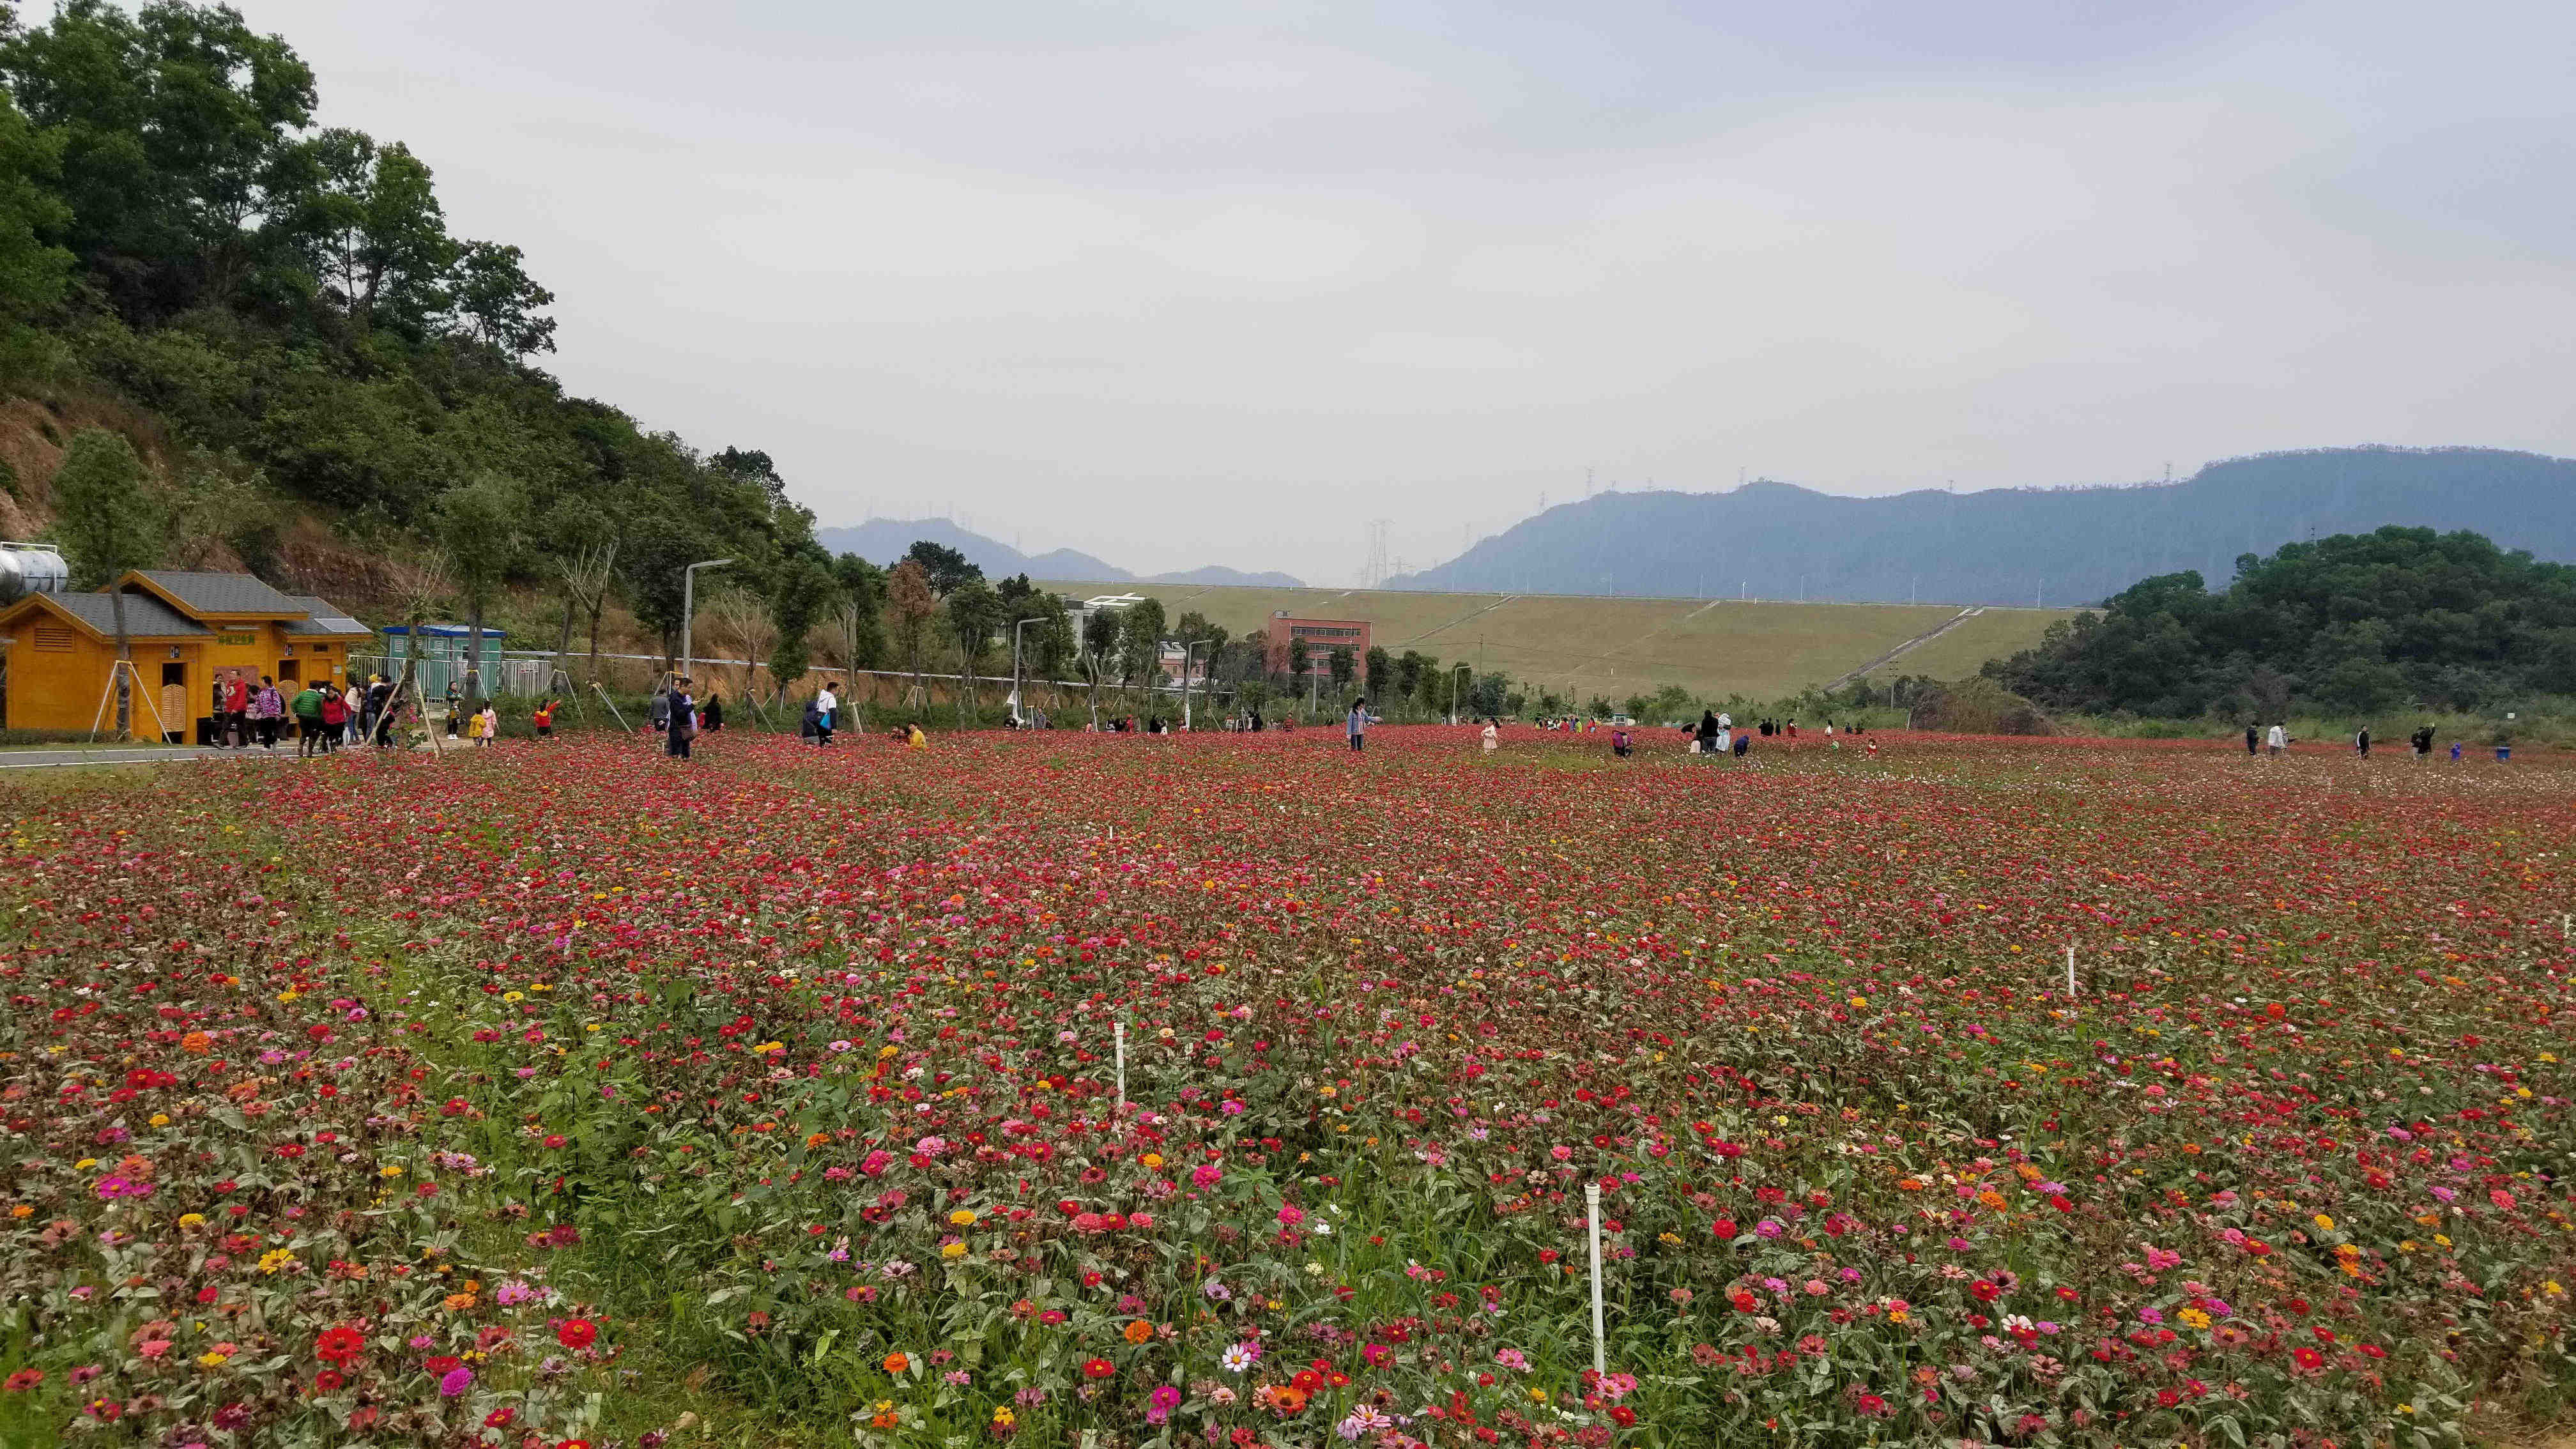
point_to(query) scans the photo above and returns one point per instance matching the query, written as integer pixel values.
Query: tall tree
(803, 589)
(492, 301)
(369, 220)
(909, 598)
(1101, 631)
(173, 122)
(481, 525)
(752, 466)
(109, 521)
(973, 610)
(944, 568)
(860, 600)
(1140, 644)
(1339, 664)
(661, 545)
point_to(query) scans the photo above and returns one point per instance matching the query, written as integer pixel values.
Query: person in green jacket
(308, 720)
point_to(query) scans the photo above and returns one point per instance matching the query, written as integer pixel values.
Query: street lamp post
(689, 609)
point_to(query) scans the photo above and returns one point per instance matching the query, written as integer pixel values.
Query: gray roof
(144, 614)
(225, 594)
(328, 618)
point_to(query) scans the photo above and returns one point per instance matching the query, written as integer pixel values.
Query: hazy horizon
(1177, 288)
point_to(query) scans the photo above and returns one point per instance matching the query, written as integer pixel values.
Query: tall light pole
(1185, 675)
(689, 608)
(1458, 695)
(1015, 664)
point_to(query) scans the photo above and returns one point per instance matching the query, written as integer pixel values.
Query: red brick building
(1322, 637)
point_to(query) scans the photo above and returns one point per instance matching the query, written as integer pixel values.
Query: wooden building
(189, 632)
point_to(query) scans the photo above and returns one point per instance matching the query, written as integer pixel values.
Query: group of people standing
(1717, 735)
(323, 716)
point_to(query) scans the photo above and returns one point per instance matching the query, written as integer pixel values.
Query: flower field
(566, 1094)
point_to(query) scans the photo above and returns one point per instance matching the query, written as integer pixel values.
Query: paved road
(139, 755)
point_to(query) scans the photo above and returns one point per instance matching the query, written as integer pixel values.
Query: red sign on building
(1322, 637)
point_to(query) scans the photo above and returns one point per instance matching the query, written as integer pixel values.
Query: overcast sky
(1180, 283)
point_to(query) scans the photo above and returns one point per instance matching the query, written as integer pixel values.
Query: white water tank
(32, 568)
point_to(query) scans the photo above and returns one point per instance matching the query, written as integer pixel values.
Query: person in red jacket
(335, 719)
(236, 712)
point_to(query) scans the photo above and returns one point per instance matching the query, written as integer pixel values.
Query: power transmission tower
(1374, 574)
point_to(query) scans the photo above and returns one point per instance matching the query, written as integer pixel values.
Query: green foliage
(32, 270)
(480, 524)
(108, 517)
(944, 567)
(2354, 623)
(803, 590)
(1140, 641)
(1100, 637)
(370, 227)
(173, 125)
(973, 612)
(859, 595)
(290, 304)
(495, 303)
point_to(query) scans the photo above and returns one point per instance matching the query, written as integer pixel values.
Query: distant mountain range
(2054, 546)
(883, 540)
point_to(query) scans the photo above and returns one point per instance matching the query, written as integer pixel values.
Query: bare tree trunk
(125, 665)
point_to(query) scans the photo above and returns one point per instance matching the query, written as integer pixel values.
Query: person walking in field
(2277, 740)
(2361, 742)
(307, 708)
(544, 718)
(712, 717)
(1359, 724)
(2252, 744)
(2423, 742)
(1493, 736)
(914, 739)
(683, 728)
(491, 725)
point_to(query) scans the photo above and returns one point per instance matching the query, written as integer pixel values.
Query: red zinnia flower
(577, 1333)
(339, 1344)
(1098, 1368)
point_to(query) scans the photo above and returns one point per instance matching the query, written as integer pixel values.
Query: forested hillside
(2027, 546)
(2350, 624)
(325, 382)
